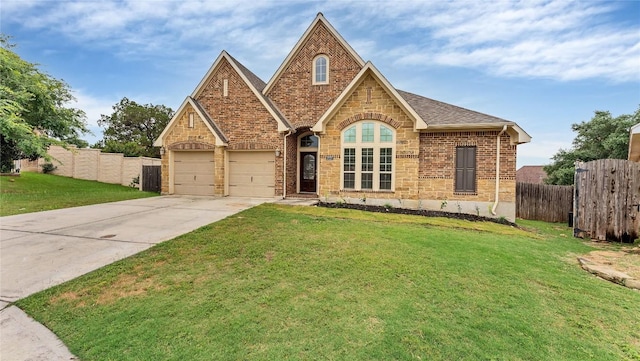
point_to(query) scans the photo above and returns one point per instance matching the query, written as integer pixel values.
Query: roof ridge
(257, 82)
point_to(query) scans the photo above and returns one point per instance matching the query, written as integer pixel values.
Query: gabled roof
(369, 68)
(221, 139)
(253, 82)
(634, 143)
(319, 18)
(442, 116)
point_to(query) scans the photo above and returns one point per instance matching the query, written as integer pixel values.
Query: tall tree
(132, 128)
(602, 137)
(33, 110)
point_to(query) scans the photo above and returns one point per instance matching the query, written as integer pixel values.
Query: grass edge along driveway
(35, 192)
(298, 283)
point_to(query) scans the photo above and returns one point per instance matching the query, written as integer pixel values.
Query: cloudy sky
(543, 64)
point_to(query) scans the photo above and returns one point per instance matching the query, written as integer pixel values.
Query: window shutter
(465, 180)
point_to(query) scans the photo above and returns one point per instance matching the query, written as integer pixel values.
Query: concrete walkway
(44, 249)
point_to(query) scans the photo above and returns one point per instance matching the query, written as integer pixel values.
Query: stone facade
(181, 137)
(424, 157)
(379, 106)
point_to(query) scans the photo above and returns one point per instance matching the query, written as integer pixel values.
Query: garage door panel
(252, 174)
(193, 173)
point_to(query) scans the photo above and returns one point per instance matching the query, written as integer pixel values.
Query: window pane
(386, 135)
(321, 70)
(367, 132)
(349, 180)
(386, 159)
(350, 135)
(309, 167)
(385, 181)
(349, 160)
(367, 159)
(309, 141)
(367, 180)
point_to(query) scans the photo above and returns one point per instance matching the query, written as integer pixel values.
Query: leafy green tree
(132, 128)
(602, 137)
(33, 110)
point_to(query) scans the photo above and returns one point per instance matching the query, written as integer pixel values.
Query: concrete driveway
(44, 249)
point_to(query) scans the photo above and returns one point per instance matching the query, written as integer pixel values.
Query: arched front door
(308, 171)
(308, 163)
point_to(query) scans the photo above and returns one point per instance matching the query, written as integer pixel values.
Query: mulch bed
(416, 212)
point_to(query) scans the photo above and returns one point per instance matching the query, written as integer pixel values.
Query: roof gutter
(495, 204)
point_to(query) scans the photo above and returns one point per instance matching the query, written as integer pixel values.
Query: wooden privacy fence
(607, 200)
(543, 202)
(151, 178)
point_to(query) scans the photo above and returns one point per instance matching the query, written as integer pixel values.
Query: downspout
(495, 204)
(284, 175)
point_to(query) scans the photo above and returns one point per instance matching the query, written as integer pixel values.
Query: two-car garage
(250, 173)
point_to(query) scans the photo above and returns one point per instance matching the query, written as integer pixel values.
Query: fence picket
(543, 202)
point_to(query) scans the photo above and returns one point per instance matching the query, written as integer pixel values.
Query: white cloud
(94, 108)
(549, 39)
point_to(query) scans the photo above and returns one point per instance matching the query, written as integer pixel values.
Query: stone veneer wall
(180, 136)
(381, 108)
(424, 162)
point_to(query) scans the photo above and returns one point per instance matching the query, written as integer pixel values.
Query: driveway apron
(44, 249)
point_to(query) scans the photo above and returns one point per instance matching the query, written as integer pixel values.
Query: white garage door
(193, 173)
(252, 174)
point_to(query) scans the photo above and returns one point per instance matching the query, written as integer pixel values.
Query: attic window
(321, 70)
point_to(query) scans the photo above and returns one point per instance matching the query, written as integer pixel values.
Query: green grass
(34, 192)
(303, 283)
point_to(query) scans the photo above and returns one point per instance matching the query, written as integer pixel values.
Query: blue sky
(542, 64)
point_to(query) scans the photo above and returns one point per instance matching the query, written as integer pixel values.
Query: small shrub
(48, 168)
(387, 206)
(443, 204)
(135, 182)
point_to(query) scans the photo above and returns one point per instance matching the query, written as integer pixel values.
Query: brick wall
(300, 101)
(241, 116)
(437, 165)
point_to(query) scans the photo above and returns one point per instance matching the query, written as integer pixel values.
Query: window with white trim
(320, 70)
(368, 149)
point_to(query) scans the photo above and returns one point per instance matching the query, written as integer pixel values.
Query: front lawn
(303, 283)
(34, 192)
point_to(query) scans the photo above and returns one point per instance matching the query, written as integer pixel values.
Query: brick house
(328, 124)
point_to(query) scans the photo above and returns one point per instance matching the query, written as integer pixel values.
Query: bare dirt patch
(625, 260)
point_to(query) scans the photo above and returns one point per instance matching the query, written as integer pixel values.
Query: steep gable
(369, 70)
(210, 92)
(291, 88)
(180, 123)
